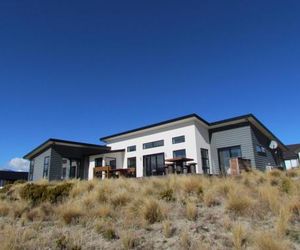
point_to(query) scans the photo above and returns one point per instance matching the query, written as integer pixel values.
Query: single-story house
(292, 156)
(9, 177)
(211, 145)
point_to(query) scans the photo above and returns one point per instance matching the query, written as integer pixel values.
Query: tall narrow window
(204, 159)
(98, 162)
(46, 166)
(131, 162)
(31, 167)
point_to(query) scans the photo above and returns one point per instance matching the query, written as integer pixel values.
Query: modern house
(9, 177)
(292, 156)
(210, 145)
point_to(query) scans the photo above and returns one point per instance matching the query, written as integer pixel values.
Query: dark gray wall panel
(39, 164)
(55, 166)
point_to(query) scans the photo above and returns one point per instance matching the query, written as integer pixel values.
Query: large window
(204, 159)
(110, 161)
(179, 153)
(131, 148)
(178, 139)
(225, 154)
(131, 162)
(153, 144)
(46, 166)
(72, 172)
(98, 162)
(31, 167)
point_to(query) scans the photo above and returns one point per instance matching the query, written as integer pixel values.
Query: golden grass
(196, 212)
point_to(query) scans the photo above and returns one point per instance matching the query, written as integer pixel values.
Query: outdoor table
(180, 163)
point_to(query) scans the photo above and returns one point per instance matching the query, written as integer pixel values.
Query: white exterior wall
(196, 137)
(119, 159)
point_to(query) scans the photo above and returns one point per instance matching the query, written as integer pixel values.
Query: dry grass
(191, 212)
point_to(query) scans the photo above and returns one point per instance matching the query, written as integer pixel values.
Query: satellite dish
(273, 145)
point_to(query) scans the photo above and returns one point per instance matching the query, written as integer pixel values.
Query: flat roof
(222, 123)
(74, 144)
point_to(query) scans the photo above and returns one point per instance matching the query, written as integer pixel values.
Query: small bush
(238, 236)
(129, 241)
(275, 173)
(282, 222)
(5, 188)
(185, 240)
(210, 199)
(4, 208)
(167, 195)
(120, 199)
(167, 229)
(191, 211)
(58, 192)
(238, 203)
(267, 241)
(292, 173)
(152, 211)
(71, 214)
(286, 185)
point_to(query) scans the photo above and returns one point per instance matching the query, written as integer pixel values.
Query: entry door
(225, 154)
(154, 164)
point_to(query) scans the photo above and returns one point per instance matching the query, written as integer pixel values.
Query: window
(46, 166)
(225, 154)
(112, 162)
(204, 159)
(131, 148)
(98, 162)
(261, 150)
(64, 173)
(178, 139)
(31, 167)
(131, 162)
(72, 172)
(179, 153)
(153, 144)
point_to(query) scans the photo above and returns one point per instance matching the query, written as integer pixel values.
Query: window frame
(178, 137)
(46, 166)
(129, 159)
(31, 167)
(154, 144)
(261, 150)
(98, 159)
(131, 148)
(183, 149)
(205, 159)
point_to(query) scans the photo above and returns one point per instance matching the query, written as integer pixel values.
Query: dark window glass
(98, 162)
(204, 158)
(112, 162)
(64, 173)
(153, 144)
(154, 164)
(131, 148)
(225, 154)
(179, 153)
(131, 162)
(261, 150)
(46, 166)
(72, 171)
(178, 139)
(31, 167)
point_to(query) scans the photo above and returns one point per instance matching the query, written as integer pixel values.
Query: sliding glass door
(154, 164)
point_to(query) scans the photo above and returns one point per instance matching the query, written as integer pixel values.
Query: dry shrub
(129, 240)
(70, 213)
(282, 222)
(238, 203)
(103, 211)
(294, 207)
(238, 236)
(275, 173)
(269, 197)
(4, 208)
(267, 241)
(191, 184)
(18, 209)
(120, 199)
(185, 240)
(292, 173)
(191, 211)
(152, 211)
(210, 198)
(286, 185)
(167, 194)
(167, 229)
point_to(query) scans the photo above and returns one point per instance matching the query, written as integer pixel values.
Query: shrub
(238, 203)
(185, 240)
(291, 173)
(58, 192)
(282, 222)
(267, 241)
(4, 208)
(120, 199)
(191, 211)
(5, 188)
(167, 228)
(152, 211)
(286, 185)
(70, 214)
(167, 194)
(128, 240)
(238, 236)
(106, 229)
(275, 173)
(210, 198)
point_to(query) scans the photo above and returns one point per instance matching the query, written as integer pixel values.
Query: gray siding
(241, 136)
(262, 161)
(55, 171)
(39, 164)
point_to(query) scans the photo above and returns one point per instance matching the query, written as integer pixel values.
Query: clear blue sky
(79, 70)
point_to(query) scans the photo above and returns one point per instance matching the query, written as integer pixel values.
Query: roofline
(236, 118)
(54, 140)
(193, 115)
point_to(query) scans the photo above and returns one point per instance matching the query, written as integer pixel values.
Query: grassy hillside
(252, 211)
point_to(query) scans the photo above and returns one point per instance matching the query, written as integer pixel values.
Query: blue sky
(80, 70)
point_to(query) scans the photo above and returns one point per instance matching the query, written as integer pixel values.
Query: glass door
(154, 164)
(225, 154)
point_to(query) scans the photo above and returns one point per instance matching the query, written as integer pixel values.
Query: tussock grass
(196, 212)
